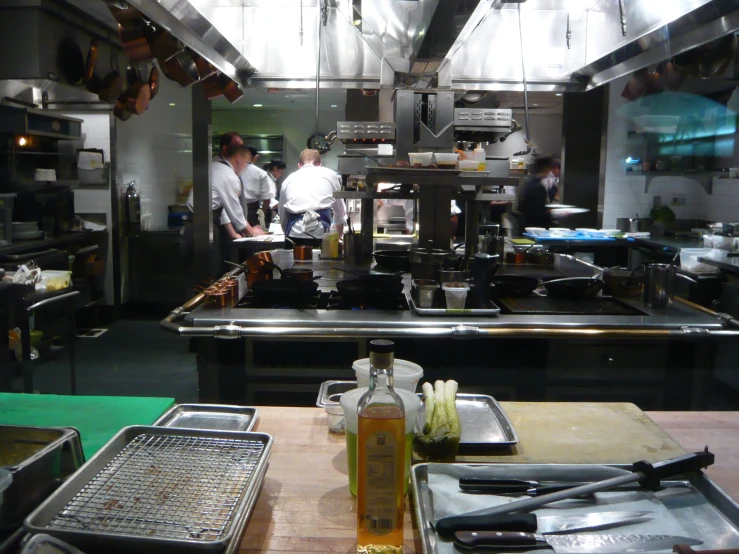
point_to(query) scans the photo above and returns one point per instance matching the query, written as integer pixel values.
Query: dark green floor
(134, 358)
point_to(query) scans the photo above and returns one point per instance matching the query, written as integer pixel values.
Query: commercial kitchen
(157, 395)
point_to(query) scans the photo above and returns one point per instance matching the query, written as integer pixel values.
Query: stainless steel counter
(258, 322)
(729, 265)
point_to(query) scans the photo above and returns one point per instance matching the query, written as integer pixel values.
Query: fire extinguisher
(133, 209)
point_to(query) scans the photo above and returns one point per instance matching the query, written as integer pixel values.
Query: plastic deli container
(420, 158)
(405, 374)
(456, 295)
(350, 402)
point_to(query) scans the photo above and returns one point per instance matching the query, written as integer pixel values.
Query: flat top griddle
(598, 305)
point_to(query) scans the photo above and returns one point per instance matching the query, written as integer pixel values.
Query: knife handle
(685, 549)
(494, 539)
(476, 484)
(446, 527)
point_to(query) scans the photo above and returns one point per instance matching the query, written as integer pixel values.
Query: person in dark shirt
(534, 197)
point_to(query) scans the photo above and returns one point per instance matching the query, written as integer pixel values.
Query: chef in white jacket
(256, 189)
(307, 199)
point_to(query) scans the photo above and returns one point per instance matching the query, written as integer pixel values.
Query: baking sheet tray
(217, 417)
(157, 489)
(484, 423)
(598, 305)
(694, 508)
(439, 306)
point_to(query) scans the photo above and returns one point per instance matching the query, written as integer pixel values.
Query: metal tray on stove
(484, 423)
(159, 489)
(694, 507)
(439, 306)
(218, 417)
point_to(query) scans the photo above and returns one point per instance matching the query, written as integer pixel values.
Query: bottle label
(380, 506)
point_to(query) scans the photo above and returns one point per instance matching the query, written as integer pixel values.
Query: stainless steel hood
(30, 32)
(458, 44)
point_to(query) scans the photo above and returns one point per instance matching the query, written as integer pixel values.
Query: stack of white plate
(26, 230)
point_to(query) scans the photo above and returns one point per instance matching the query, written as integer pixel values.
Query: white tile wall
(625, 194)
(155, 151)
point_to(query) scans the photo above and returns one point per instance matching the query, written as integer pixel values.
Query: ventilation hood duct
(459, 44)
(32, 30)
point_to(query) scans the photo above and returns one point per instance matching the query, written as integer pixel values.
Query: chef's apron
(324, 216)
(252, 215)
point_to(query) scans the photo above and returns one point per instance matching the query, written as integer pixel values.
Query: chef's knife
(569, 544)
(446, 527)
(506, 486)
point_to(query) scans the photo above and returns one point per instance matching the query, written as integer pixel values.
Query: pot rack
(173, 324)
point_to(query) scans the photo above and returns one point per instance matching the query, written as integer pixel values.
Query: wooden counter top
(305, 505)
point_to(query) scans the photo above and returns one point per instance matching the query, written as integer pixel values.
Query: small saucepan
(303, 252)
(259, 261)
(503, 286)
(398, 260)
(573, 287)
(299, 274)
(620, 281)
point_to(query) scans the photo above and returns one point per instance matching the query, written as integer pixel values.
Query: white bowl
(534, 230)
(446, 159)
(585, 231)
(544, 233)
(564, 232)
(423, 158)
(598, 233)
(406, 374)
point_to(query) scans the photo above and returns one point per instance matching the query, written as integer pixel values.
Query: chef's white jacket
(311, 188)
(272, 191)
(226, 192)
(256, 184)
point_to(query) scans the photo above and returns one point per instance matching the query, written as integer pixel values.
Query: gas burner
(324, 301)
(337, 302)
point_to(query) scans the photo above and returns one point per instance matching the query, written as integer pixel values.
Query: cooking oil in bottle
(380, 458)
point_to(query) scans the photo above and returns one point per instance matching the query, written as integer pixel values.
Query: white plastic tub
(456, 295)
(422, 158)
(405, 374)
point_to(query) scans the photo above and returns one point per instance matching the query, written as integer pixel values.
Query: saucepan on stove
(256, 263)
(284, 290)
(299, 274)
(573, 287)
(393, 259)
(503, 286)
(621, 281)
(425, 261)
(253, 277)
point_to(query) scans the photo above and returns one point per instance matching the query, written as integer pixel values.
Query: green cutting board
(97, 418)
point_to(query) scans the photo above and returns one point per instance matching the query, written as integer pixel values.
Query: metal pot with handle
(659, 285)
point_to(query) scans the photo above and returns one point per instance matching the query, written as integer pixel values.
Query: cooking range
(324, 301)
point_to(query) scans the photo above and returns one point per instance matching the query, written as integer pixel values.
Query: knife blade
(569, 544)
(477, 485)
(446, 527)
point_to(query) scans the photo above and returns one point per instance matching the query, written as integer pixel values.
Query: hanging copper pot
(162, 43)
(212, 87)
(153, 82)
(180, 68)
(205, 68)
(134, 42)
(231, 89)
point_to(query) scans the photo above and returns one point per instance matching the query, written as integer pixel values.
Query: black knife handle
(476, 484)
(446, 527)
(688, 463)
(494, 539)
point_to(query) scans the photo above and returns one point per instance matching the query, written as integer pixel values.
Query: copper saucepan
(303, 252)
(252, 278)
(258, 261)
(298, 274)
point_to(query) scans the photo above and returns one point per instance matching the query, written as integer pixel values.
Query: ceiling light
(558, 94)
(171, 104)
(534, 104)
(357, 22)
(421, 33)
(257, 105)
(334, 105)
(22, 141)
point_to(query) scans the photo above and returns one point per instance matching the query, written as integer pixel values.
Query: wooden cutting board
(581, 433)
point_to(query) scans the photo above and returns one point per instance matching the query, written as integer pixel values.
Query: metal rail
(172, 324)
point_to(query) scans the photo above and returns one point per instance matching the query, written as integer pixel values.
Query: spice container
(456, 295)
(425, 291)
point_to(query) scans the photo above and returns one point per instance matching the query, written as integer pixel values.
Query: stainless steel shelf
(371, 195)
(440, 178)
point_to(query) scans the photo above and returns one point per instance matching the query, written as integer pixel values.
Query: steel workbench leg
(23, 323)
(70, 348)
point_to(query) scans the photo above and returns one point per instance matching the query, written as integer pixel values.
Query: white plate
(564, 212)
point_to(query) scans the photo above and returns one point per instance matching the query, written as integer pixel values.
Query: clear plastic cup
(456, 295)
(405, 374)
(349, 403)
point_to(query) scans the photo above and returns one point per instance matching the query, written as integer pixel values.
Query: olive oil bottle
(380, 458)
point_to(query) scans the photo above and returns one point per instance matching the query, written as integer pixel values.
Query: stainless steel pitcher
(659, 285)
